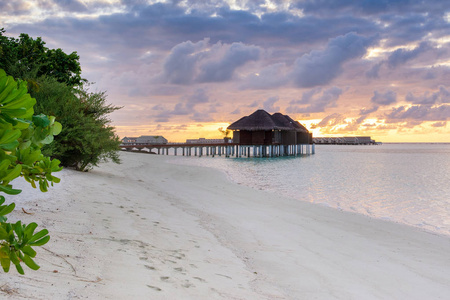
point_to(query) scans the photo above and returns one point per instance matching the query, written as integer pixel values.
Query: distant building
(207, 141)
(144, 140)
(345, 140)
(262, 128)
(129, 140)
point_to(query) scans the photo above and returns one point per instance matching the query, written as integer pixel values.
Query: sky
(184, 69)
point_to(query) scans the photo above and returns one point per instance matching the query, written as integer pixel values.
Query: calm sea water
(405, 183)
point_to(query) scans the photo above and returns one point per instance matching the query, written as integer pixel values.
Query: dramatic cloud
(237, 111)
(374, 71)
(71, 5)
(439, 124)
(421, 55)
(187, 106)
(14, 7)
(268, 105)
(331, 120)
(236, 55)
(319, 67)
(253, 104)
(316, 102)
(386, 98)
(354, 125)
(401, 21)
(367, 111)
(270, 77)
(442, 96)
(199, 62)
(177, 61)
(179, 67)
(401, 56)
(420, 113)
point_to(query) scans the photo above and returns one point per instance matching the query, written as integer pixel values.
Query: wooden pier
(222, 149)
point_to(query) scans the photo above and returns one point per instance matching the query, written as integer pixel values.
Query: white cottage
(144, 140)
(151, 139)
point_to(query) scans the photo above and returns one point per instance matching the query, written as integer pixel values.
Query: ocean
(404, 183)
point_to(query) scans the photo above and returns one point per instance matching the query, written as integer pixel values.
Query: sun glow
(376, 52)
(177, 133)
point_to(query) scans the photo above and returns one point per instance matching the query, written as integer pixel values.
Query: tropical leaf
(41, 120)
(8, 190)
(6, 210)
(30, 262)
(21, 137)
(14, 173)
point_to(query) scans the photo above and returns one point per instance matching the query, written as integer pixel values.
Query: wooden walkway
(222, 149)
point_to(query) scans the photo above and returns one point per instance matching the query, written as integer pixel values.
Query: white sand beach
(148, 229)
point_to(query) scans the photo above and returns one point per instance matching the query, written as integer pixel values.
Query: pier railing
(223, 149)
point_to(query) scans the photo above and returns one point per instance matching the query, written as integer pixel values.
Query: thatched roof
(296, 124)
(259, 120)
(282, 122)
(262, 120)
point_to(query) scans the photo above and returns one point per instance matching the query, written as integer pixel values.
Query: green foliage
(28, 59)
(86, 138)
(21, 137)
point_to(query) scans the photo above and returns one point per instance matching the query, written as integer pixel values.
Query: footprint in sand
(154, 288)
(187, 284)
(164, 278)
(224, 276)
(200, 279)
(171, 261)
(181, 270)
(178, 255)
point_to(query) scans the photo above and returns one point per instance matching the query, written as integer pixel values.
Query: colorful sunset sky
(183, 69)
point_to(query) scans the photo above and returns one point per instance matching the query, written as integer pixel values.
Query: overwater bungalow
(271, 135)
(262, 128)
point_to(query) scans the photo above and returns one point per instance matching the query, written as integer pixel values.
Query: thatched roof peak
(262, 120)
(259, 120)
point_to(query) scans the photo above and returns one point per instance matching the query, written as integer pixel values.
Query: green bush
(86, 138)
(22, 135)
(54, 80)
(28, 58)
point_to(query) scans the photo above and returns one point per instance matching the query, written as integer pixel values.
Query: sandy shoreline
(147, 229)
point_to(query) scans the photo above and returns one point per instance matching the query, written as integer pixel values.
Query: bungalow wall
(245, 137)
(304, 137)
(236, 136)
(277, 137)
(258, 137)
(289, 137)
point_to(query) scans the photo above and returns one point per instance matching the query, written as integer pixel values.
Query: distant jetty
(345, 140)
